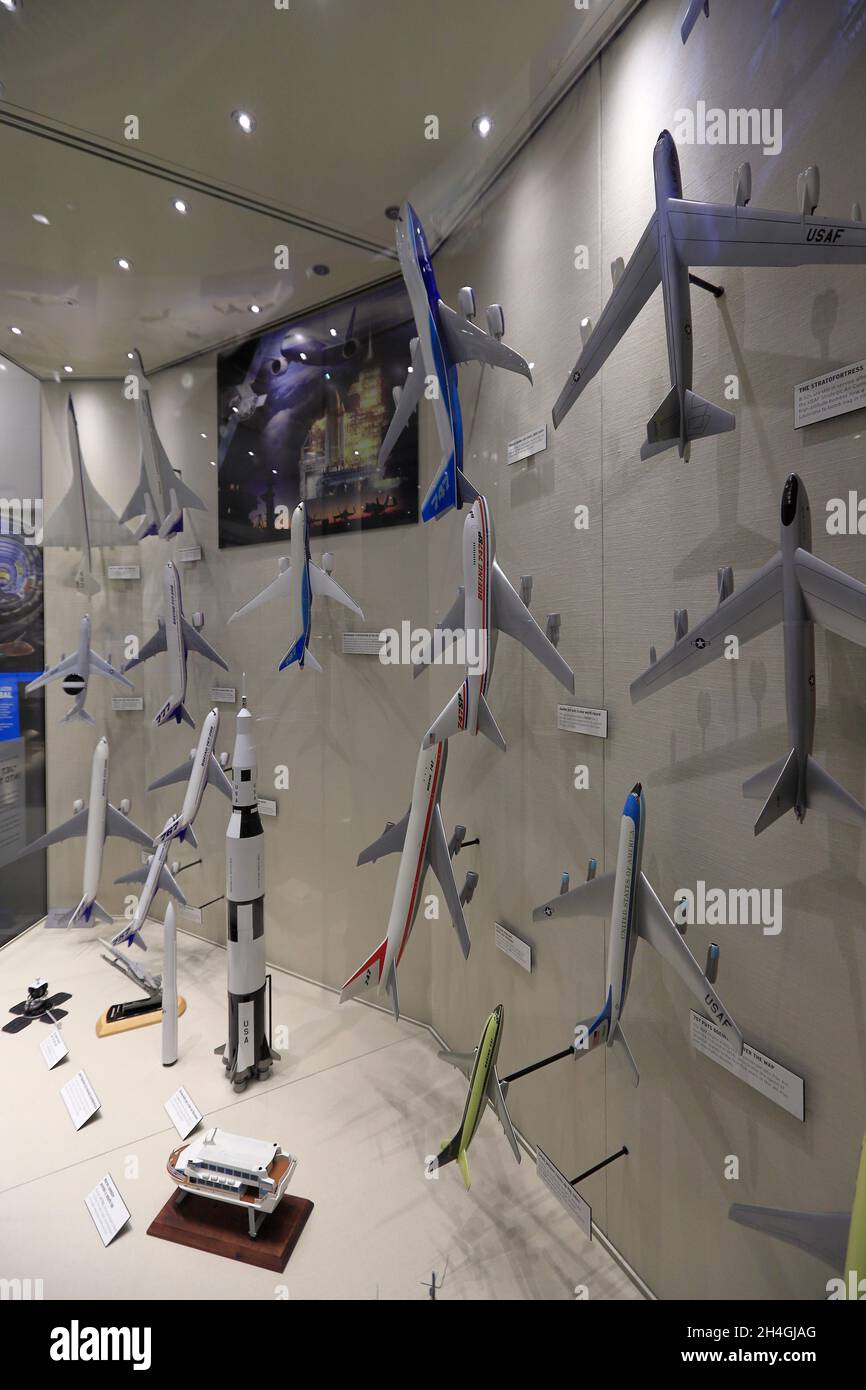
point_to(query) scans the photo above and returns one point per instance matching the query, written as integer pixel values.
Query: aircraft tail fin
(86, 583)
(667, 428)
(187, 837)
(780, 784)
(463, 1165)
(90, 912)
(367, 975)
(78, 713)
(825, 794)
(620, 1042)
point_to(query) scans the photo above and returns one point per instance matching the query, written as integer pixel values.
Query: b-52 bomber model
(796, 590)
(479, 1068)
(633, 909)
(681, 234)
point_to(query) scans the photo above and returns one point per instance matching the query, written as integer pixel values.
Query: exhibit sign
(527, 445)
(362, 643)
(121, 703)
(80, 1099)
(183, 1112)
(108, 1211)
(511, 945)
(582, 719)
(784, 1088)
(53, 1048)
(835, 393)
(123, 571)
(568, 1197)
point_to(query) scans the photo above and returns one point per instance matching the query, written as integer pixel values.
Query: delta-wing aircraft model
(75, 672)
(681, 234)
(479, 1067)
(200, 768)
(84, 519)
(419, 839)
(175, 636)
(633, 909)
(836, 1237)
(298, 580)
(95, 824)
(155, 875)
(160, 497)
(445, 339)
(796, 590)
(486, 605)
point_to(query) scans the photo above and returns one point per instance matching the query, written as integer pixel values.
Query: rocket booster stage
(248, 1052)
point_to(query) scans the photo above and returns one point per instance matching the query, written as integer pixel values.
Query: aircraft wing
(152, 646)
(75, 826)
(137, 504)
(633, 288)
(468, 343)
(724, 234)
(511, 615)
(325, 587)
(690, 18)
(452, 623)
(196, 643)
(496, 1095)
(106, 669)
(658, 929)
(463, 1061)
(66, 528)
(748, 612)
(823, 1234)
(407, 404)
(440, 863)
(54, 673)
(117, 824)
(591, 899)
(391, 841)
(833, 599)
(278, 586)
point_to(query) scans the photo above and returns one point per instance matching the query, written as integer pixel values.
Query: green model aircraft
(484, 1085)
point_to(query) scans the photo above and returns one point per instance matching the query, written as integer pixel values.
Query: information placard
(362, 643)
(834, 393)
(127, 702)
(526, 445)
(183, 1112)
(582, 719)
(53, 1048)
(774, 1081)
(511, 945)
(124, 571)
(224, 694)
(568, 1197)
(80, 1099)
(107, 1208)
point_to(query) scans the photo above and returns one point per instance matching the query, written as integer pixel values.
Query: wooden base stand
(222, 1229)
(104, 1029)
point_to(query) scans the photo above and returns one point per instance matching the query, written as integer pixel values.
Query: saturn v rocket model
(248, 1052)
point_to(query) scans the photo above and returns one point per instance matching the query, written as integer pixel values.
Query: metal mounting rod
(717, 290)
(604, 1162)
(536, 1066)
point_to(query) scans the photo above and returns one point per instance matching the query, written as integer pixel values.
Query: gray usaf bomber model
(795, 589)
(681, 234)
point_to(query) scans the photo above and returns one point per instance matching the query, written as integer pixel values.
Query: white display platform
(361, 1100)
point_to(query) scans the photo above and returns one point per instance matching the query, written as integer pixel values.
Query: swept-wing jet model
(83, 519)
(444, 340)
(486, 605)
(160, 496)
(479, 1067)
(95, 824)
(156, 876)
(681, 234)
(419, 839)
(797, 590)
(75, 672)
(690, 18)
(298, 579)
(311, 352)
(200, 768)
(633, 909)
(836, 1237)
(175, 636)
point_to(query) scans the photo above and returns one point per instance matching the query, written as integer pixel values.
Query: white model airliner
(83, 520)
(75, 672)
(298, 579)
(200, 768)
(684, 233)
(175, 636)
(155, 875)
(160, 496)
(99, 821)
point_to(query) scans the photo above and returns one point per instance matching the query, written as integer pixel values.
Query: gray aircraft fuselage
(674, 276)
(798, 633)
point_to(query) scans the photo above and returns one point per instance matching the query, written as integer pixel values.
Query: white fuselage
(426, 791)
(175, 646)
(298, 577)
(432, 352)
(623, 915)
(82, 665)
(96, 816)
(151, 885)
(480, 633)
(199, 771)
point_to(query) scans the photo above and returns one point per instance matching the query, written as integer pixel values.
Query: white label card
(774, 1081)
(362, 643)
(582, 719)
(80, 1099)
(835, 393)
(519, 951)
(53, 1048)
(127, 702)
(183, 1112)
(124, 571)
(224, 694)
(535, 442)
(568, 1197)
(266, 807)
(107, 1209)
(192, 914)
(187, 553)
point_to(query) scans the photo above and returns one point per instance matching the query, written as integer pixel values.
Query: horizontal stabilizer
(782, 796)
(620, 1043)
(366, 976)
(665, 428)
(823, 1234)
(823, 793)
(78, 713)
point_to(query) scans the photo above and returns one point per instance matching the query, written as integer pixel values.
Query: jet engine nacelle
(495, 321)
(397, 393)
(223, 759)
(328, 562)
(856, 214)
(616, 269)
(585, 330)
(743, 185)
(198, 621)
(726, 583)
(124, 806)
(175, 866)
(681, 623)
(78, 806)
(808, 190)
(466, 302)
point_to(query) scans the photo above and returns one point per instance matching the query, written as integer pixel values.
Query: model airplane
(200, 768)
(306, 351)
(681, 234)
(298, 579)
(690, 18)
(155, 875)
(836, 1237)
(75, 672)
(797, 590)
(419, 839)
(479, 1067)
(83, 519)
(160, 496)
(99, 821)
(486, 605)
(175, 636)
(444, 340)
(629, 902)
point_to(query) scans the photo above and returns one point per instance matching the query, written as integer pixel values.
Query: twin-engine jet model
(633, 909)
(160, 496)
(200, 768)
(155, 875)
(75, 672)
(681, 234)
(479, 1067)
(445, 339)
(298, 579)
(84, 519)
(419, 839)
(306, 351)
(175, 636)
(796, 590)
(95, 825)
(486, 605)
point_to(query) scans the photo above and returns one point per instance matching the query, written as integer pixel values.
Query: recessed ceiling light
(303, 356)
(130, 356)
(40, 218)
(3, 368)
(67, 369)
(327, 376)
(123, 264)
(245, 120)
(333, 332)
(255, 308)
(16, 331)
(213, 463)
(392, 212)
(482, 125)
(274, 471)
(235, 410)
(251, 454)
(180, 205)
(321, 269)
(203, 435)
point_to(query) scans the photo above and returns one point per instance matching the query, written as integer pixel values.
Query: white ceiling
(340, 89)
